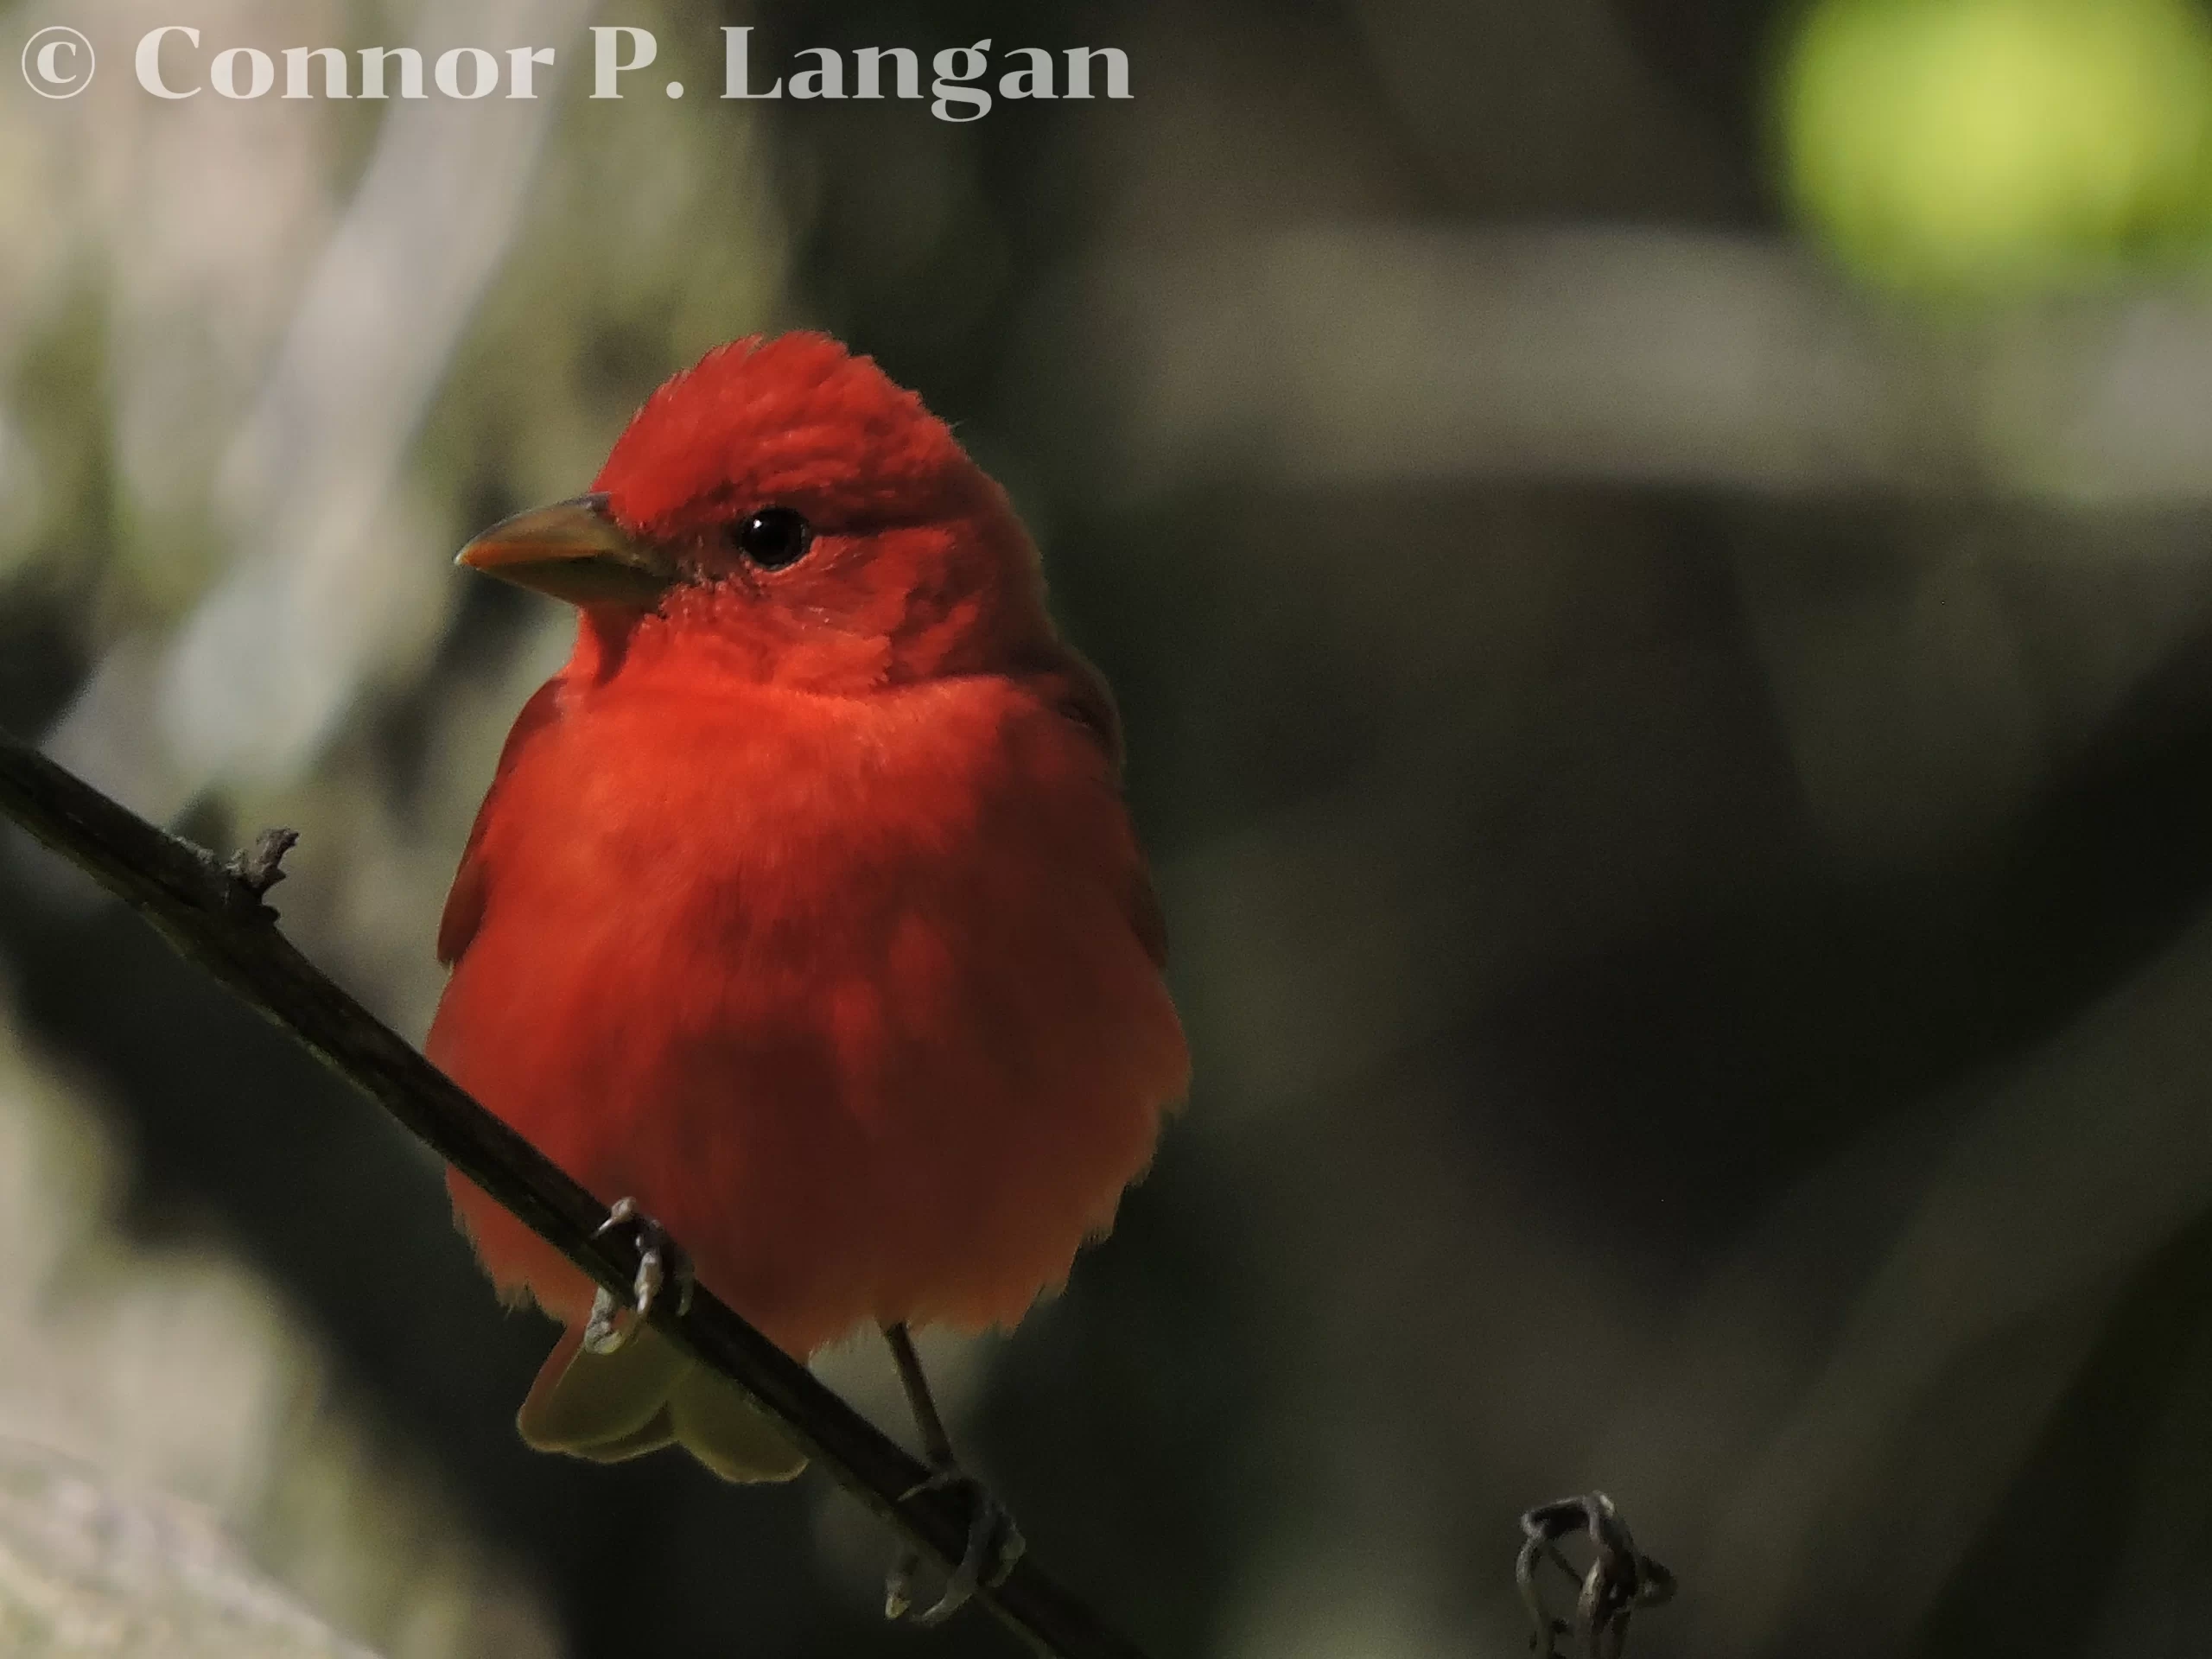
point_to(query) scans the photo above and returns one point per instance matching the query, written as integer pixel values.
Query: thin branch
(213, 913)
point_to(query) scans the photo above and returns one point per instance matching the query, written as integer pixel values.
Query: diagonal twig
(214, 914)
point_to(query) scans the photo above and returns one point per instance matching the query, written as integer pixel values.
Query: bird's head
(786, 503)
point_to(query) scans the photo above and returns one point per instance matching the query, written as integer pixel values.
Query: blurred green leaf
(1977, 145)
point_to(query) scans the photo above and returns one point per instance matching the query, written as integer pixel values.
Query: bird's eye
(773, 538)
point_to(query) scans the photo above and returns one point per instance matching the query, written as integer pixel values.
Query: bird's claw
(995, 1544)
(659, 1263)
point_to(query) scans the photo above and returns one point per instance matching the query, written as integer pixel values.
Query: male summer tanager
(804, 914)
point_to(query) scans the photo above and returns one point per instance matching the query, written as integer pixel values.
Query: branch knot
(260, 867)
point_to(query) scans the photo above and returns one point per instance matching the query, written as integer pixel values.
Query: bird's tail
(645, 1395)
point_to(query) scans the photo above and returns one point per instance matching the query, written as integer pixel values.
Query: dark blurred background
(1656, 559)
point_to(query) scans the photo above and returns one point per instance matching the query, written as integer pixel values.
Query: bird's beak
(573, 550)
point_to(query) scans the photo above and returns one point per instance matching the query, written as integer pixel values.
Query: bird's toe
(661, 1262)
(995, 1544)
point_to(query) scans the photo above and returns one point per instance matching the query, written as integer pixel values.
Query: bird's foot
(660, 1262)
(995, 1544)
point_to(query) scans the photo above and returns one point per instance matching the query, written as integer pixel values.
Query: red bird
(803, 913)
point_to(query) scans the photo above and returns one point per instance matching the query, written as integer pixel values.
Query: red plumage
(803, 907)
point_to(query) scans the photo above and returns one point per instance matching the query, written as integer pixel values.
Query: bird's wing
(1079, 694)
(1149, 920)
(464, 909)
